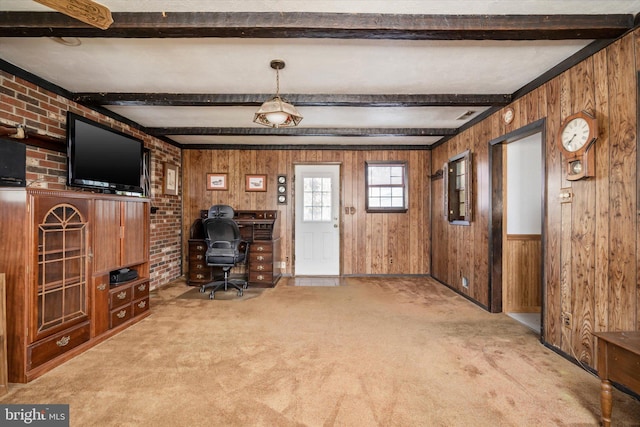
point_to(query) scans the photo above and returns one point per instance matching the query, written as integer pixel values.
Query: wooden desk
(260, 229)
(618, 361)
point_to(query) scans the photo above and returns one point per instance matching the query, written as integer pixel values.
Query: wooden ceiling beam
(300, 131)
(321, 25)
(305, 100)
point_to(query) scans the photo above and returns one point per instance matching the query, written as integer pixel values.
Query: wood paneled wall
(522, 272)
(590, 246)
(369, 241)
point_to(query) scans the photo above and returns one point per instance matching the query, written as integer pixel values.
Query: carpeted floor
(370, 352)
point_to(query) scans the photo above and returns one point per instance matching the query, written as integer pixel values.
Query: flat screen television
(102, 158)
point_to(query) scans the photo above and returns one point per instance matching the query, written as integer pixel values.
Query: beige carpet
(371, 352)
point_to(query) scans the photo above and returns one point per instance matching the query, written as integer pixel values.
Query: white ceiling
(333, 66)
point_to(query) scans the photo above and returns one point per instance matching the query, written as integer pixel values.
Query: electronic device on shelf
(123, 275)
(102, 158)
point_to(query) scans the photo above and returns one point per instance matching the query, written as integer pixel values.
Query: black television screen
(102, 158)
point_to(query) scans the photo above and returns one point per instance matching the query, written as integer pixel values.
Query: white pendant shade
(276, 112)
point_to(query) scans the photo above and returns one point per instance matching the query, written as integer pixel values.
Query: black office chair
(225, 247)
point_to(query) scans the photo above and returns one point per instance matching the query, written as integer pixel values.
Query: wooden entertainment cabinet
(260, 229)
(57, 250)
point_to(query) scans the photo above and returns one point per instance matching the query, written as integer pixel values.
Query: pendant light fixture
(276, 112)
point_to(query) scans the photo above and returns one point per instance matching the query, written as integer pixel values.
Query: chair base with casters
(217, 285)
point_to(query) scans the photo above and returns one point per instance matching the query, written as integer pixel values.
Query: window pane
(386, 187)
(317, 199)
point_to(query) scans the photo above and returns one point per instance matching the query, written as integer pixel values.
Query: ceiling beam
(321, 25)
(300, 131)
(305, 100)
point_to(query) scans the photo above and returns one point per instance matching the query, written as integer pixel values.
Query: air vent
(466, 115)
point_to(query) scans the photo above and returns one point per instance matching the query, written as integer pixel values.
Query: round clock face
(508, 115)
(575, 134)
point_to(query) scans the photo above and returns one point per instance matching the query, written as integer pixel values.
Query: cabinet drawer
(140, 290)
(140, 306)
(260, 248)
(119, 296)
(260, 277)
(56, 345)
(120, 315)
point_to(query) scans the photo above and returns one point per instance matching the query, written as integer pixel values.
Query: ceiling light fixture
(276, 112)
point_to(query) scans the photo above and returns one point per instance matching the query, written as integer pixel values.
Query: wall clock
(282, 189)
(508, 115)
(577, 134)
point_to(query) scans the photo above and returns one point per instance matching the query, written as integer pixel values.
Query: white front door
(317, 232)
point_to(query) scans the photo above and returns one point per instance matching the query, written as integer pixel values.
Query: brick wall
(44, 112)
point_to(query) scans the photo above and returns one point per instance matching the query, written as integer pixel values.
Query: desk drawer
(58, 344)
(260, 258)
(257, 247)
(261, 266)
(260, 277)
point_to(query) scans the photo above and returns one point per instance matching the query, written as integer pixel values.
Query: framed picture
(217, 181)
(255, 183)
(170, 179)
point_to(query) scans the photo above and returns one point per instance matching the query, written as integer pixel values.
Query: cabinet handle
(259, 248)
(122, 295)
(199, 256)
(199, 267)
(142, 287)
(200, 247)
(200, 276)
(121, 314)
(102, 286)
(260, 267)
(260, 277)
(142, 304)
(63, 341)
(260, 258)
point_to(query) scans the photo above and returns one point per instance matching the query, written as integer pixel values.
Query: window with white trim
(386, 186)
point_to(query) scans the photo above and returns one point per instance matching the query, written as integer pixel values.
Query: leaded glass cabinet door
(62, 285)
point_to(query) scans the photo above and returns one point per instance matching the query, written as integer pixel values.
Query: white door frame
(334, 268)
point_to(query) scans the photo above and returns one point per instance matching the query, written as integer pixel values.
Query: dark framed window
(386, 186)
(457, 189)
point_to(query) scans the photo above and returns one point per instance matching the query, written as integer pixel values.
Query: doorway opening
(517, 225)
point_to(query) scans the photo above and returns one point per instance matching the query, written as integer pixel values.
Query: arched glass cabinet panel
(62, 275)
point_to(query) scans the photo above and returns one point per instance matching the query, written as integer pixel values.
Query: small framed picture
(255, 183)
(170, 179)
(217, 181)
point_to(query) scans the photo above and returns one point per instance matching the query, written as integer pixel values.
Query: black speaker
(13, 163)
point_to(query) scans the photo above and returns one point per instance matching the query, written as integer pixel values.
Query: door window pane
(316, 199)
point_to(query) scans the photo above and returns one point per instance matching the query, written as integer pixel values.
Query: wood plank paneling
(590, 246)
(522, 290)
(372, 243)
